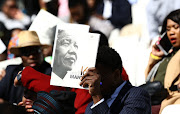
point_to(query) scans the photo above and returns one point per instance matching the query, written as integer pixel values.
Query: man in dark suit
(29, 49)
(109, 92)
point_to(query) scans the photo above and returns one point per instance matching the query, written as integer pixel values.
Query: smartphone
(164, 43)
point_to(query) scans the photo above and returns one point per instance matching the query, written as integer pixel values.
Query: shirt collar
(116, 92)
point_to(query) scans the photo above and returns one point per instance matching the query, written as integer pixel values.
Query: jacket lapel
(117, 105)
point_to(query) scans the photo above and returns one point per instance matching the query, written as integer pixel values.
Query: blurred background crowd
(118, 19)
(131, 26)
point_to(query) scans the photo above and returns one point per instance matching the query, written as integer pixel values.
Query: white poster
(45, 26)
(74, 52)
(2, 47)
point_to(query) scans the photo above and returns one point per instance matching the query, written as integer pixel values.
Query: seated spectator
(156, 11)
(172, 84)
(118, 12)
(102, 15)
(12, 17)
(36, 81)
(80, 13)
(158, 62)
(30, 50)
(109, 92)
(31, 79)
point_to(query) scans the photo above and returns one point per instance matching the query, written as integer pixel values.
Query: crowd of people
(25, 87)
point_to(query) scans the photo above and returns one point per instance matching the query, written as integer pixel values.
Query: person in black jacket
(30, 50)
(110, 94)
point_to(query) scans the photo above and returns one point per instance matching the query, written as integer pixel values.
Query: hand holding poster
(74, 52)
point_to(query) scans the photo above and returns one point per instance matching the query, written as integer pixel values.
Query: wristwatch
(19, 75)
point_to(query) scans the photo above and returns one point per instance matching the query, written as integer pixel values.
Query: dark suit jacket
(130, 100)
(14, 94)
(121, 12)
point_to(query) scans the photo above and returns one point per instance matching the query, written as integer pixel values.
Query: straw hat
(26, 38)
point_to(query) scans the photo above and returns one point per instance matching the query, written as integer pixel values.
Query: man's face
(91, 3)
(108, 79)
(77, 14)
(67, 51)
(31, 56)
(10, 8)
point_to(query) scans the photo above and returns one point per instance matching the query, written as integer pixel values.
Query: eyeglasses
(27, 51)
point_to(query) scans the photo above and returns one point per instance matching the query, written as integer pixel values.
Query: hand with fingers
(92, 79)
(19, 15)
(17, 79)
(27, 103)
(156, 51)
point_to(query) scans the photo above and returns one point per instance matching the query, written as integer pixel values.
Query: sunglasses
(27, 51)
(11, 6)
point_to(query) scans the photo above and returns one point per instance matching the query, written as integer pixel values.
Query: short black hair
(174, 16)
(109, 57)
